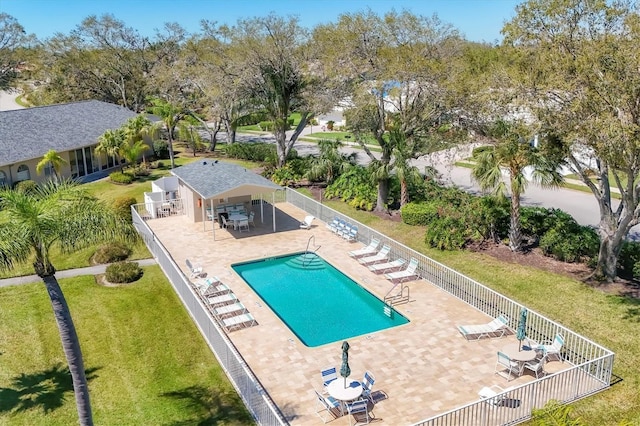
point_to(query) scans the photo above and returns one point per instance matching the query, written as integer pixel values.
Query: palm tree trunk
(515, 236)
(404, 192)
(71, 347)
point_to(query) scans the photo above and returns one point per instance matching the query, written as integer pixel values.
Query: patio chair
(381, 268)
(357, 409)
(367, 385)
(243, 224)
(536, 366)
(329, 407)
(352, 234)
(333, 225)
(306, 223)
(493, 395)
(223, 220)
(239, 321)
(204, 284)
(408, 274)
(505, 365)
(495, 328)
(366, 251)
(252, 216)
(553, 348)
(379, 257)
(194, 271)
(328, 374)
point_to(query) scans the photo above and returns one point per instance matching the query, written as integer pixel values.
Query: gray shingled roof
(29, 133)
(211, 179)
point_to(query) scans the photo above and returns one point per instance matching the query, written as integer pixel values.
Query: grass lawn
(147, 364)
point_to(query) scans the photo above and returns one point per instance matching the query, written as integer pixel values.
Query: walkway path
(90, 270)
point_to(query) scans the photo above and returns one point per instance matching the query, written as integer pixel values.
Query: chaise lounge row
(224, 305)
(343, 229)
(377, 261)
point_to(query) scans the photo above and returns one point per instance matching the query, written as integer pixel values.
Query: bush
(26, 186)
(112, 252)
(161, 149)
(536, 221)
(446, 233)
(121, 177)
(254, 151)
(570, 242)
(123, 272)
(285, 176)
(629, 258)
(122, 206)
(421, 213)
(355, 188)
(266, 125)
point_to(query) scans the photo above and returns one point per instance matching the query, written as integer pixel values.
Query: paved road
(8, 101)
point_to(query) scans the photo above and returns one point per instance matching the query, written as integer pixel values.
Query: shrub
(122, 206)
(536, 221)
(446, 233)
(161, 149)
(26, 186)
(160, 164)
(254, 151)
(285, 176)
(141, 170)
(570, 242)
(123, 272)
(112, 252)
(330, 124)
(121, 177)
(629, 258)
(421, 213)
(355, 188)
(266, 125)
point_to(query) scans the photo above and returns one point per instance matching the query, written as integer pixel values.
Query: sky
(477, 20)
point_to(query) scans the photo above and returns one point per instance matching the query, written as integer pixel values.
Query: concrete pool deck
(421, 369)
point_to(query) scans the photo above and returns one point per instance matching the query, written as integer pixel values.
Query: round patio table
(524, 354)
(338, 390)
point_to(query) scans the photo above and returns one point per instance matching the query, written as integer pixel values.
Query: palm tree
(132, 151)
(137, 129)
(55, 160)
(331, 162)
(111, 143)
(170, 115)
(62, 214)
(512, 152)
(402, 153)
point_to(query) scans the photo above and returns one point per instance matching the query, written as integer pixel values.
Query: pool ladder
(306, 251)
(400, 297)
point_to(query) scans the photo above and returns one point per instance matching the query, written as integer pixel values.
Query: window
(23, 173)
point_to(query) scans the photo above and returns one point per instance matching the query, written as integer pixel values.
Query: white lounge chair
(230, 310)
(366, 251)
(493, 395)
(495, 328)
(408, 274)
(223, 299)
(379, 257)
(239, 321)
(306, 223)
(381, 268)
(194, 271)
(204, 285)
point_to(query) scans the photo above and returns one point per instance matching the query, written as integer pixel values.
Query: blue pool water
(316, 301)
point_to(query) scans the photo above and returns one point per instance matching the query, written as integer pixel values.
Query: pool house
(426, 372)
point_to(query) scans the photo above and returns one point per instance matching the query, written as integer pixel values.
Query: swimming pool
(316, 301)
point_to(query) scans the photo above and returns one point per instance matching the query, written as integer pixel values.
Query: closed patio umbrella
(345, 371)
(521, 332)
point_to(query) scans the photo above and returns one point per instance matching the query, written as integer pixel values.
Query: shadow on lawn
(47, 390)
(209, 406)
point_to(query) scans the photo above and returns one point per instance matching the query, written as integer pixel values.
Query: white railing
(255, 398)
(592, 364)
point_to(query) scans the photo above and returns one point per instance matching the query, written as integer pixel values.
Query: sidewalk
(67, 273)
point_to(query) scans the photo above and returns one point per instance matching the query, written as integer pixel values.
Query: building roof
(210, 178)
(29, 133)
